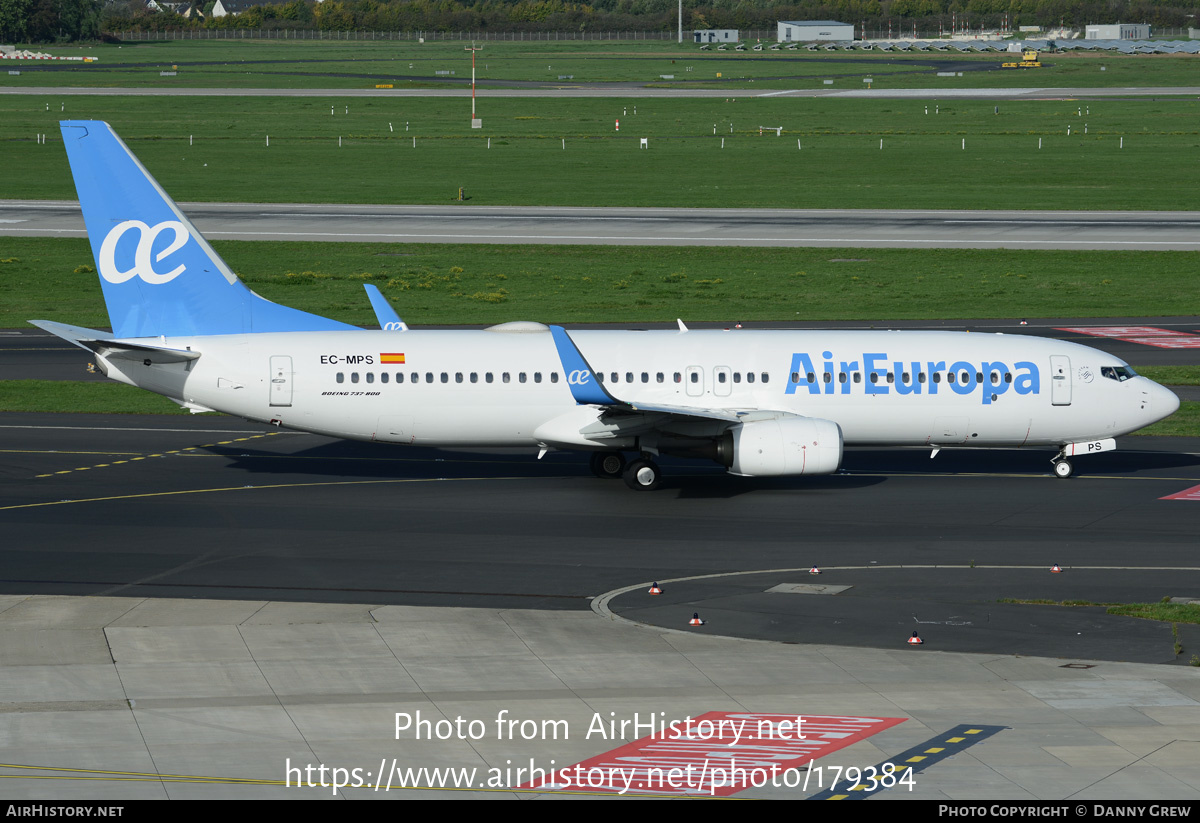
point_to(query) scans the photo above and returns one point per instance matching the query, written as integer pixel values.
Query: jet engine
(785, 445)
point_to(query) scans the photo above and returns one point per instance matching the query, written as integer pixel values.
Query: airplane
(759, 403)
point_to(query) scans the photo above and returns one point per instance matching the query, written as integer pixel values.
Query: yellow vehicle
(1029, 60)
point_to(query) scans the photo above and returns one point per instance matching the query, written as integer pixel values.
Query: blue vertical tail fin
(159, 275)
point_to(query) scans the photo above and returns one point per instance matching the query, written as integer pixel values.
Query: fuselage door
(694, 381)
(281, 380)
(1060, 380)
(722, 381)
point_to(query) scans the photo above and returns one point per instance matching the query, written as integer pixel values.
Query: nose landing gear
(1063, 468)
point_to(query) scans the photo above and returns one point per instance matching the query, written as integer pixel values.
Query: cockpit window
(1118, 373)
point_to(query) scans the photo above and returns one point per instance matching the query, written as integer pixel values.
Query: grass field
(478, 284)
(1121, 154)
(408, 64)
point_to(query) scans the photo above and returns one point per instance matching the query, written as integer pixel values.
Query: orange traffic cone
(655, 589)
(695, 621)
(915, 640)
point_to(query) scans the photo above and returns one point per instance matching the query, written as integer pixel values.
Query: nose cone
(1164, 402)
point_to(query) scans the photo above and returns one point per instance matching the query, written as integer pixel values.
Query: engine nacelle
(787, 445)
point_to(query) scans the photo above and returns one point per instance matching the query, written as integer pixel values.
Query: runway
(651, 226)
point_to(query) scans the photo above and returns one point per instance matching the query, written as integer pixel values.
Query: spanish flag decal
(391, 357)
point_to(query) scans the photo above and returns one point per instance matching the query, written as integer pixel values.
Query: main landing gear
(641, 474)
(607, 465)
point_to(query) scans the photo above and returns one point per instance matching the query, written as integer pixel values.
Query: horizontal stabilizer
(102, 344)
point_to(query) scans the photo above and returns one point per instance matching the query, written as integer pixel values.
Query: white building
(715, 35)
(1118, 31)
(806, 31)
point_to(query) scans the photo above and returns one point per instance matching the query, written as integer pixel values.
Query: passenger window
(383, 377)
(795, 377)
(353, 377)
(553, 377)
(874, 377)
(488, 377)
(920, 377)
(399, 377)
(950, 377)
(858, 377)
(628, 377)
(616, 378)
(904, 378)
(695, 377)
(416, 377)
(645, 377)
(505, 378)
(1007, 377)
(370, 377)
(721, 377)
(749, 377)
(841, 377)
(428, 377)
(765, 377)
(521, 377)
(474, 377)
(811, 377)
(891, 377)
(937, 377)
(341, 377)
(678, 377)
(827, 377)
(659, 377)
(458, 377)
(737, 377)
(445, 377)
(537, 377)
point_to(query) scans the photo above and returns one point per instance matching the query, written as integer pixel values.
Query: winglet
(384, 313)
(682, 328)
(584, 389)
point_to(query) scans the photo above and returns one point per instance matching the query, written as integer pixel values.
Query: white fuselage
(504, 388)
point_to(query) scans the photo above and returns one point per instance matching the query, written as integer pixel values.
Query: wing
(624, 418)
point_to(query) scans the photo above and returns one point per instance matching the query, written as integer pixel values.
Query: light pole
(476, 123)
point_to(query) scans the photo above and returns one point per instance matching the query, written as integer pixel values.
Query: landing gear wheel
(1063, 469)
(642, 475)
(608, 465)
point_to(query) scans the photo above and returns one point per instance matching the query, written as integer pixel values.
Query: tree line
(42, 21)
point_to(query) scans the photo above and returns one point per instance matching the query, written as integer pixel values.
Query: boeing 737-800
(759, 403)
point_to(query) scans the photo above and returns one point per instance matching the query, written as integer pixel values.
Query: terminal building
(1118, 31)
(807, 31)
